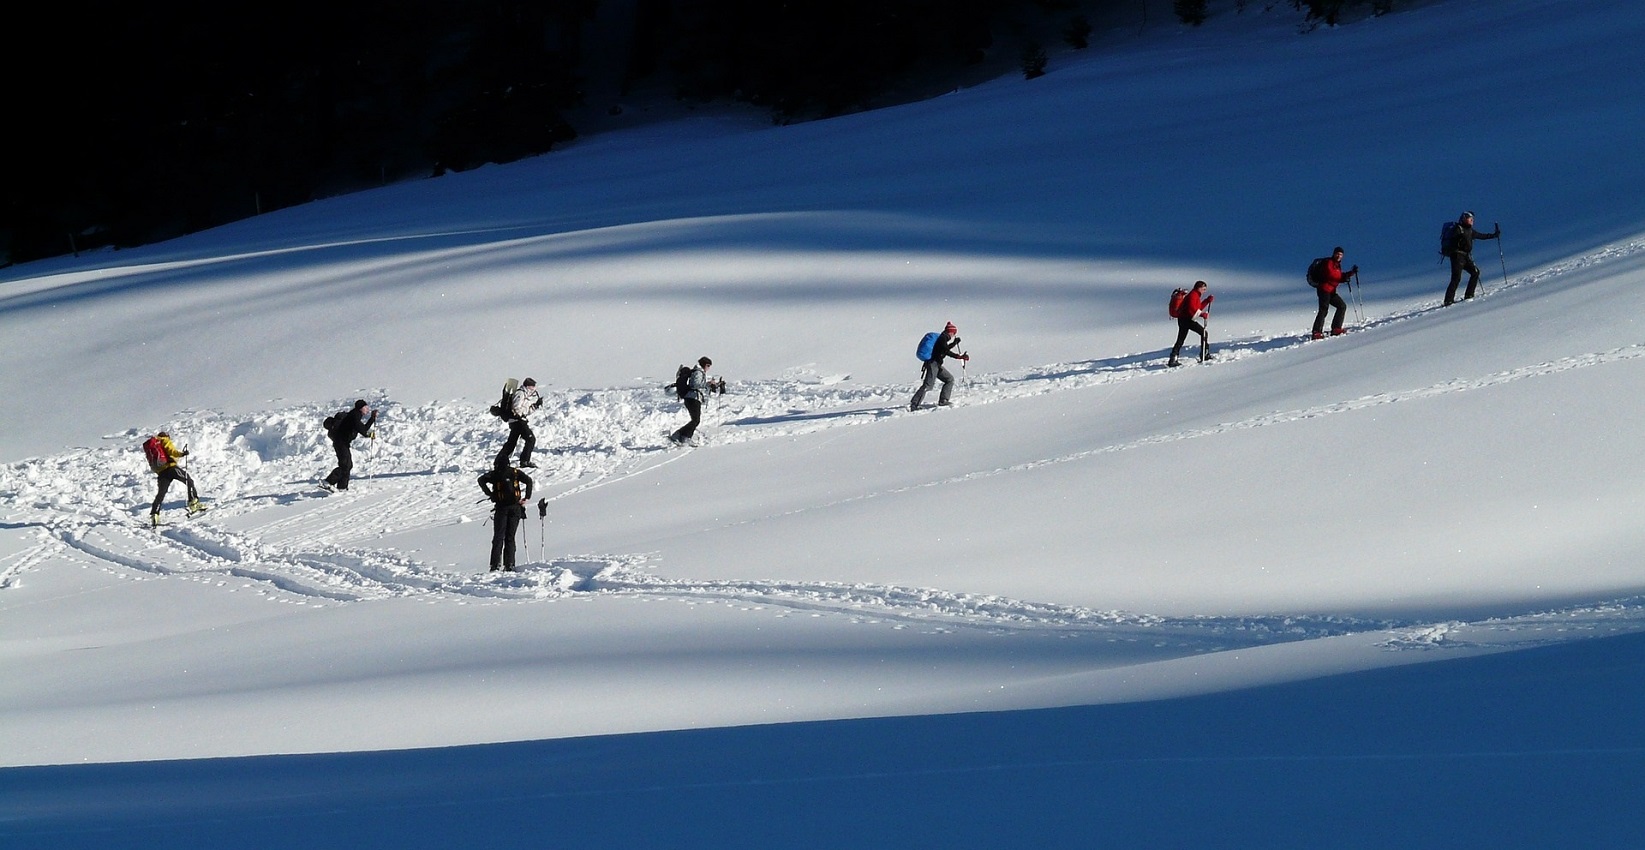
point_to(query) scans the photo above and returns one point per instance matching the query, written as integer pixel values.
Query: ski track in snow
(90, 504)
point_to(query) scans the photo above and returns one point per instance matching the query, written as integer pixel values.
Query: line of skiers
(509, 488)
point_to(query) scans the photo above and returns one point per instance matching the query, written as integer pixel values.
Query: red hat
(951, 329)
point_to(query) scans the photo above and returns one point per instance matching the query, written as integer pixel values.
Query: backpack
(1447, 238)
(155, 452)
(682, 381)
(336, 421)
(1174, 308)
(504, 408)
(927, 347)
(505, 487)
(1316, 272)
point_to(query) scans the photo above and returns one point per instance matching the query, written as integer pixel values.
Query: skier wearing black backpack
(508, 489)
(342, 428)
(933, 371)
(692, 387)
(1458, 244)
(1325, 275)
(520, 404)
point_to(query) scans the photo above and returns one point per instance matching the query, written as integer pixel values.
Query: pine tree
(1191, 12)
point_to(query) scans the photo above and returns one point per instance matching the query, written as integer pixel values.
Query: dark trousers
(930, 374)
(345, 464)
(175, 473)
(1184, 325)
(505, 524)
(1462, 263)
(519, 434)
(695, 408)
(1327, 300)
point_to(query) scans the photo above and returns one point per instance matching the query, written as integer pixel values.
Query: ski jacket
(508, 486)
(945, 348)
(1194, 305)
(525, 400)
(1464, 245)
(354, 424)
(1332, 276)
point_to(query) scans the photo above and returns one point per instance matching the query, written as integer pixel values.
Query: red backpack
(155, 451)
(1174, 309)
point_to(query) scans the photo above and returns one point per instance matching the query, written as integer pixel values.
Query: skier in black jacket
(355, 423)
(508, 489)
(1462, 256)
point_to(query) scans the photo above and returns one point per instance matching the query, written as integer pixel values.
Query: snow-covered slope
(1083, 527)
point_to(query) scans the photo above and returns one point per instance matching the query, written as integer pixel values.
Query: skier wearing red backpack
(1325, 275)
(1195, 305)
(162, 455)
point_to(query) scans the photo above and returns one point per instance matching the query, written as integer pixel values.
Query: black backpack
(682, 382)
(505, 486)
(1448, 238)
(1316, 272)
(334, 420)
(504, 408)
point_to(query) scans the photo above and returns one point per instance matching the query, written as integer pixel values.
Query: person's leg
(947, 379)
(1183, 327)
(165, 484)
(928, 379)
(693, 407)
(1341, 311)
(1319, 317)
(509, 519)
(528, 441)
(499, 534)
(345, 465)
(1456, 278)
(1473, 279)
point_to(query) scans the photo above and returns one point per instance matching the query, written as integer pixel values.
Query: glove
(1209, 299)
(965, 357)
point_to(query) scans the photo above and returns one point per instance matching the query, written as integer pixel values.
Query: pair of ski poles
(542, 532)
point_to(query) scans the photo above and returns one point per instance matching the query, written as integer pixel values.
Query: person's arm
(485, 486)
(525, 491)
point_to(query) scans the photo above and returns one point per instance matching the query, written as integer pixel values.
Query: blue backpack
(927, 347)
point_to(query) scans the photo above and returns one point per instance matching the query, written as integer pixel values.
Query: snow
(1376, 590)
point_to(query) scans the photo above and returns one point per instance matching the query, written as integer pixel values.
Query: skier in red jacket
(1325, 275)
(1197, 304)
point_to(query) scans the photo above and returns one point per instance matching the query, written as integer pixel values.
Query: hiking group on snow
(509, 488)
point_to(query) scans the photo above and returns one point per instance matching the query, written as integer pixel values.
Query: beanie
(951, 329)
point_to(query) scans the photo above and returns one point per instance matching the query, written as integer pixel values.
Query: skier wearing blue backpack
(1457, 242)
(941, 346)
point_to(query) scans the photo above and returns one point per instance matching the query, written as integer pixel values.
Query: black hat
(359, 403)
(529, 382)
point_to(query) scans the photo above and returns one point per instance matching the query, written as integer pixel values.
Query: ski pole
(542, 528)
(1502, 258)
(1359, 304)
